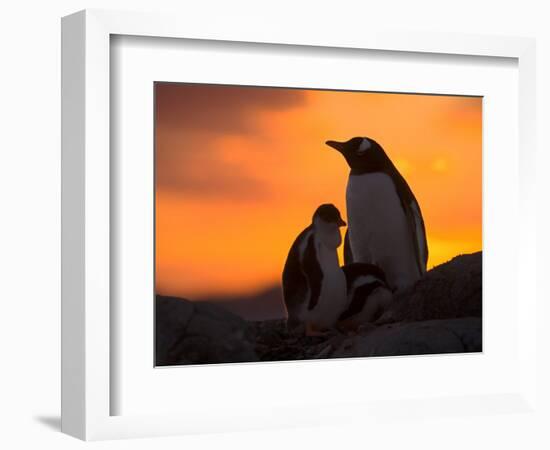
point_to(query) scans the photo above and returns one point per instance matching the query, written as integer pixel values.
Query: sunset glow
(240, 170)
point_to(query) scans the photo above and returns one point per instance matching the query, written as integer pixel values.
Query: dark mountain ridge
(267, 304)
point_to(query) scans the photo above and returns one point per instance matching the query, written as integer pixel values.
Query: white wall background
(29, 225)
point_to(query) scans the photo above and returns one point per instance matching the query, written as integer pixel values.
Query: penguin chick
(314, 285)
(368, 295)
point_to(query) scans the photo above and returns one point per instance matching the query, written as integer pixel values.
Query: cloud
(218, 108)
(192, 119)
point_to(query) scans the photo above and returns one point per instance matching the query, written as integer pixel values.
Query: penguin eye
(365, 145)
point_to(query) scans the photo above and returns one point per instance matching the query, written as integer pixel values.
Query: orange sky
(240, 170)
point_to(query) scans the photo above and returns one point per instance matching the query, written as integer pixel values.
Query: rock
(451, 290)
(200, 333)
(416, 338)
(326, 352)
(171, 319)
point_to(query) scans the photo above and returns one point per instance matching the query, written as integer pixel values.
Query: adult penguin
(385, 224)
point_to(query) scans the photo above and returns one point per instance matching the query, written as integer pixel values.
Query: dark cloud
(217, 108)
(189, 120)
(200, 173)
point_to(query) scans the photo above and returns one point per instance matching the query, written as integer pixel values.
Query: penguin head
(360, 152)
(329, 214)
(327, 222)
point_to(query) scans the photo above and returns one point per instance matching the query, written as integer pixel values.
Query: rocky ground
(200, 333)
(439, 314)
(415, 338)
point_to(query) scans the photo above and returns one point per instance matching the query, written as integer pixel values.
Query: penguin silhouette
(386, 227)
(368, 295)
(314, 285)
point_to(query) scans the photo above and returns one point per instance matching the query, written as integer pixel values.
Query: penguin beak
(341, 223)
(335, 145)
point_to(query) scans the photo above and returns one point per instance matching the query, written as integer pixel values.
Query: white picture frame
(87, 386)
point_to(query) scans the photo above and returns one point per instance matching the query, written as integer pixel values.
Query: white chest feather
(333, 296)
(379, 231)
(373, 205)
(334, 280)
(332, 272)
(375, 190)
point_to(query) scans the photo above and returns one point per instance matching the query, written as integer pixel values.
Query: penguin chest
(378, 228)
(333, 296)
(333, 288)
(373, 204)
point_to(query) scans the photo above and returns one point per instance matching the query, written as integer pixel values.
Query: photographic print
(303, 224)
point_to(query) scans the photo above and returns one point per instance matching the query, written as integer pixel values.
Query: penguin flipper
(348, 256)
(414, 217)
(294, 281)
(419, 229)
